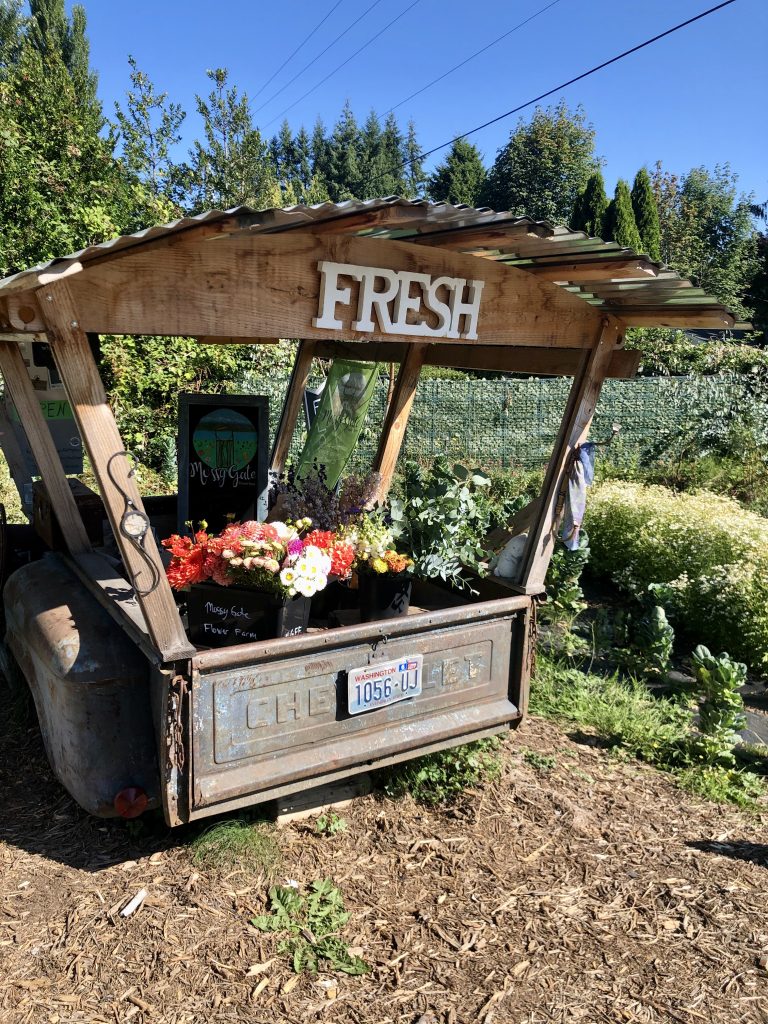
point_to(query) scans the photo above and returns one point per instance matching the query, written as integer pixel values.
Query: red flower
(187, 569)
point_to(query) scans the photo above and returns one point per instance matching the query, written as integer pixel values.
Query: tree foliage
(619, 225)
(544, 166)
(707, 232)
(590, 207)
(461, 177)
(646, 214)
(230, 167)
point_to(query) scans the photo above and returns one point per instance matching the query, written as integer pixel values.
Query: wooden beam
(27, 404)
(489, 236)
(269, 286)
(212, 340)
(574, 428)
(592, 270)
(513, 359)
(112, 468)
(671, 316)
(291, 406)
(396, 420)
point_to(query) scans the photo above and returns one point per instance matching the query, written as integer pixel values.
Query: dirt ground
(593, 892)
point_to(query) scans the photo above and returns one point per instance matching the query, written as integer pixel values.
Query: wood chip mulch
(594, 892)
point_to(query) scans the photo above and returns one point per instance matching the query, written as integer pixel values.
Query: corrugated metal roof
(541, 247)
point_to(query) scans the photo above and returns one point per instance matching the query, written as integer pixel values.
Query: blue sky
(697, 97)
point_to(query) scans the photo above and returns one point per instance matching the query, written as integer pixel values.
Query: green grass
(632, 723)
(236, 843)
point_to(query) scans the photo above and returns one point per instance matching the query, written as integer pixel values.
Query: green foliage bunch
(590, 207)
(646, 214)
(461, 177)
(565, 597)
(312, 922)
(707, 232)
(544, 166)
(721, 712)
(444, 777)
(619, 225)
(705, 557)
(440, 516)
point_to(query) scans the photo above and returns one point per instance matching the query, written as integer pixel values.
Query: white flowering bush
(704, 556)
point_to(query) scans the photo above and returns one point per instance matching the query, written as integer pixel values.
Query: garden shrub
(703, 555)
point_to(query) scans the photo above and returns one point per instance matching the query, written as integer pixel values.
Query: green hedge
(707, 555)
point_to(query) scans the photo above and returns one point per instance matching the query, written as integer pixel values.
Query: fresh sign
(401, 301)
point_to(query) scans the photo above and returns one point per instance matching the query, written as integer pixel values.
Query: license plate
(376, 686)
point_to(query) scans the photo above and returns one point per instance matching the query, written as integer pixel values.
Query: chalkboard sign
(223, 452)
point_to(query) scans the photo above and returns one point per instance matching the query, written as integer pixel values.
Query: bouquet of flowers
(280, 558)
(374, 546)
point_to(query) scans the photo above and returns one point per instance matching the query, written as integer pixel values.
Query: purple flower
(295, 546)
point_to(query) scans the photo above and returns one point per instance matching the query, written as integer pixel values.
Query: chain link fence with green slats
(499, 423)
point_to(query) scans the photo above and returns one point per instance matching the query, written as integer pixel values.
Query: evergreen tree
(544, 166)
(591, 206)
(620, 223)
(320, 150)
(370, 155)
(461, 176)
(60, 186)
(646, 214)
(303, 160)
(148, 127)
(232, 167)
(415, 175)
(343, 170)
(391, 178)
(51, 32)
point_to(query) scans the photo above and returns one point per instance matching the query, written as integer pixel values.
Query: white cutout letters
(391, 296)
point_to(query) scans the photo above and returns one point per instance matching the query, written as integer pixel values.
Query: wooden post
(111, 467)
(291, 406)
(574, 428)
(27, 405)
(396, 420)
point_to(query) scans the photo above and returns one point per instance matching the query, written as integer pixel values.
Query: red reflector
(131, 802)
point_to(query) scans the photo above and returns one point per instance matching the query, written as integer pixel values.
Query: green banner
(340, 418)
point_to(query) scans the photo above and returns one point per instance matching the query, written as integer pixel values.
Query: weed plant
(312, 923)
(444, 777)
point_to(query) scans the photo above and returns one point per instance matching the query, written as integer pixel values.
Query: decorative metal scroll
(134, 526)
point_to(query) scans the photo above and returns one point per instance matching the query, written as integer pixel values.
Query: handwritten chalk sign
(223, 451)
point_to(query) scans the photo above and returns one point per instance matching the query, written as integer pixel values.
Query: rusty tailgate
(272, 718)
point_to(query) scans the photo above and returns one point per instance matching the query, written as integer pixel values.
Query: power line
(578, 78)
(472, 56)
(563, 85)
(344, 63)
(317, 58)
(302, 43)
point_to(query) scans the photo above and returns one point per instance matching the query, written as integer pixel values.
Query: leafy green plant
(330, 824)
(652, 642)
(443, 777)
(721, 712)
(543, 763)
(565, 597)
(312, 922)
(233, 843)
(440, 517)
